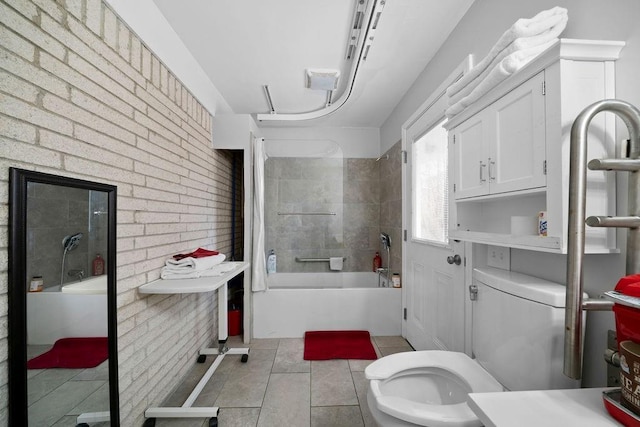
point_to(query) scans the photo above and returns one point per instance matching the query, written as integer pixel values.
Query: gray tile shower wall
(391, 204)
(364, 195)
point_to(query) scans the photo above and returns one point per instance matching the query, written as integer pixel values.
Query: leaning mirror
(62, 301)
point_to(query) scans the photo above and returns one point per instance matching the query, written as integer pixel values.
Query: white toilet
(518, 335)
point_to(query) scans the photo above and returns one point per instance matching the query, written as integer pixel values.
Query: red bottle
(98, 265)
(377, 261)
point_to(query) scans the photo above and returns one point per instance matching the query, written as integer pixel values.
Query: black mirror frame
(17, 328)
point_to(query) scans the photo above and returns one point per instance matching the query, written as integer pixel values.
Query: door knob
(454, 259)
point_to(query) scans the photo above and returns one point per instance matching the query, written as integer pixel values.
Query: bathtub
(299, 302)
(77, 310)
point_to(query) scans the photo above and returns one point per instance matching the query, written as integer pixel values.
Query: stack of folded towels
(526, 39)
(199, 263)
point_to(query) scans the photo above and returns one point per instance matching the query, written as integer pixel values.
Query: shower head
(71, 242)
(385, 240)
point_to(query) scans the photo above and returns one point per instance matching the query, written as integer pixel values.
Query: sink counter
(566, 408)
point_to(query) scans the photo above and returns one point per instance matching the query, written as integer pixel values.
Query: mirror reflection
(65, 237)
(66, 302)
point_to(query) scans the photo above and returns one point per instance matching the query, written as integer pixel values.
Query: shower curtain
(259, 280)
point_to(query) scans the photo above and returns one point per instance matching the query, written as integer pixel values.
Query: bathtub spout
(383, 277)
(79, 274)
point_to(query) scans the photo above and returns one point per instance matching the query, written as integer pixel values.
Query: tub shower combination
(317, 208)
(76, 309)
(299, 302)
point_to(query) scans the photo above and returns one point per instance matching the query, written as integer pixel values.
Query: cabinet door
(471, 175)
(517, 154)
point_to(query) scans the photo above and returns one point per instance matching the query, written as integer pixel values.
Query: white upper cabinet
(502, 148)
(510, 150)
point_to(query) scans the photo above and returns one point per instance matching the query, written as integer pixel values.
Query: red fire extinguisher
(98, 265)
(377, 261)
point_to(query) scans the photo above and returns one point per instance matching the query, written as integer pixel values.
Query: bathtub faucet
(79, 274)
(383, 272)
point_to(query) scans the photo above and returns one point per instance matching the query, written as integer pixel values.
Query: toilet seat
(460, 366)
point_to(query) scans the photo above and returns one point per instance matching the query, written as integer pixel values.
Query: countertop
(566, 408)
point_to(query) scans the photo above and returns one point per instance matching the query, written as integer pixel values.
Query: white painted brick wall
(81, 96)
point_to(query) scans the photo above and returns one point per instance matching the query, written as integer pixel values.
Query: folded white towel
(496, 74)
(524, 33)
(335, 263)
(194, 264)
(168, 274)
(216, 270)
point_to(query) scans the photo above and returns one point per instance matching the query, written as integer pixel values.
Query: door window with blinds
(430, 186)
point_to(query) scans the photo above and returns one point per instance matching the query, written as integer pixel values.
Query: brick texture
(82, 96)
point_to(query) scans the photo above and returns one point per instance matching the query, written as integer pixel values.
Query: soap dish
(612, 403)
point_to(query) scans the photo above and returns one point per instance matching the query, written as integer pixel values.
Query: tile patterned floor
(57, 396)
(276, 387)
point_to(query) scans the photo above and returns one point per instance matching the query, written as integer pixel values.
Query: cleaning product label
(271, 262)
(630, 375)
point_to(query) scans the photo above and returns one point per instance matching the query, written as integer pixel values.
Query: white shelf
(187, 286)
(545, 244)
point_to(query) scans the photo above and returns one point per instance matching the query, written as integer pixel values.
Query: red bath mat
(325, 345)
(72, 353)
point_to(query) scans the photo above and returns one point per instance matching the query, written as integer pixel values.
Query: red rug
(72, 353)
(325, 345)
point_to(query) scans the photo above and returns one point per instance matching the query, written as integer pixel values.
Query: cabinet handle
(482, 165)
(492, 163)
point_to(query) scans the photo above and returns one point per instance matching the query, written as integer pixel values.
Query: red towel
(198, 253)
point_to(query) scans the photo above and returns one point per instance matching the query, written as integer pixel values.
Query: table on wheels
(184, 286)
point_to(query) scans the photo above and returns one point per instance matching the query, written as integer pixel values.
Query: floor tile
(392, 350)
(97, 401)
(287, 401)
(335, 416)
(243, 390)
(289, 357)
(359, 365)
(46, 381)
(362, 385)
(331, 383)
(238, 417)
(50, 408)
(391, 342)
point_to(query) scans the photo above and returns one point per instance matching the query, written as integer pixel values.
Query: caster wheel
(213, 422)
(244, 358)
(202, 358)
(149, 422)
(82, 425)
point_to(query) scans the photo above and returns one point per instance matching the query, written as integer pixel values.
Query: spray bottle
(271, 262)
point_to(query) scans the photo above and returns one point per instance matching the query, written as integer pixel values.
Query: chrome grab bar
(315, 259)
(306, 213)
(576, 238)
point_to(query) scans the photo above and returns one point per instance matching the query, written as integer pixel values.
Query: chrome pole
(576, 236)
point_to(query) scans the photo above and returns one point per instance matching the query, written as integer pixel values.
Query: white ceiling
(245, 44)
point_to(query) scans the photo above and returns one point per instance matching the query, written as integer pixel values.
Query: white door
(433, 266)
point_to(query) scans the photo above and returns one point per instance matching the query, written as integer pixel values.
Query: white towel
(194, 264)
(503, 69)
(216, 270)
(335, 263)
(543, 27)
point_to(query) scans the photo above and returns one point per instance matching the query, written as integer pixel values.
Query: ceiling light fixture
(321, 79)
(366, 15)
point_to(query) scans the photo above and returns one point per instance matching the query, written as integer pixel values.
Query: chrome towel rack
(577, 204)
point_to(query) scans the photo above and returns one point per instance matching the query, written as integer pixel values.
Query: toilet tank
(518, 330)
